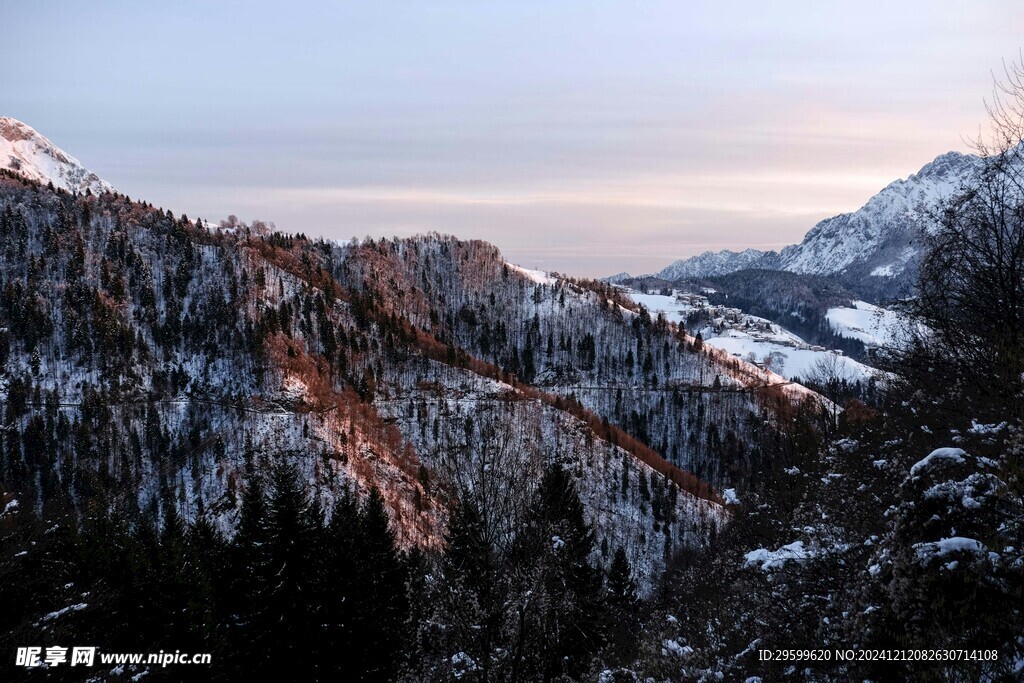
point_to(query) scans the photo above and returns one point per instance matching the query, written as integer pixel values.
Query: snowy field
(538, 276)
(795, 362)
(797, 358)
(675, 311)
(873, 325)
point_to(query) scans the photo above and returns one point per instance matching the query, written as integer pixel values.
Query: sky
(587, 138)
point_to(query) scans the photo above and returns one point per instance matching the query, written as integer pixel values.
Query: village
(721, 320)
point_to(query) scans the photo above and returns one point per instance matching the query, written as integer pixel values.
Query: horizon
(584, 139)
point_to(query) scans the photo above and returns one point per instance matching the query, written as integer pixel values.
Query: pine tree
(341, 588)
(471, 602)
(209, 556)
(946, 573)
(560, 597)
(380, 594)
(622, 616)
(250, 637)
(291, 552)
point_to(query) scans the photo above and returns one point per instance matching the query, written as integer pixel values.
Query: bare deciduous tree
(971, 284)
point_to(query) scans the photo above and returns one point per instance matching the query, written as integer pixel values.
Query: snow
(293, 390)
(945, 546)
(864, 238)
(768, 560)
(31, 155)
(730, 497)
(873, 325)
(835, 244)
(752, 334)
(528, 426)
(896, 267)
(462, 664)
(954, 455)
(712, 263)
(978, 428)
(796, 362)
(61, 612)
(675, 310)
(971, 493)
(538, 276)
(970, 502)
(10, 506)
(675, 648)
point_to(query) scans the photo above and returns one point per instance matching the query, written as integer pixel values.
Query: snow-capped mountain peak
(30, 154)
(879, 240)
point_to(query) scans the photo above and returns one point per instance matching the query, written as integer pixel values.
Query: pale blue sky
(585, 137)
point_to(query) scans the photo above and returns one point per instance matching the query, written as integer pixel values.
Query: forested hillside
(158, 370)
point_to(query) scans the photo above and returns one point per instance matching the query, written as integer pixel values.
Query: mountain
(873, 247)
(878, 239)
(618, 277)
(715, 263)
(29, 154)
(162, 365)
(409, 459)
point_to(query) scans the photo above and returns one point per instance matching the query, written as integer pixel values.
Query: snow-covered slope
(791, 362)
(768, 345)
(876, 241)
(26, 152)
(870, 324)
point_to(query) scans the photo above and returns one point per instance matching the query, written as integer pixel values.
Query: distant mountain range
(875, 247)
(714, 263)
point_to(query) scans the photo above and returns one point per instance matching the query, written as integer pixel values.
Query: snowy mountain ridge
(30, 154)
(875, 241)
(879, 237)
(714, 263)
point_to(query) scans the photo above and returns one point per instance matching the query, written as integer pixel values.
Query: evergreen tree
(379, 595)
(292, 555)
(252, 576)
(559, 590)
(471, 602)
(623, 607)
